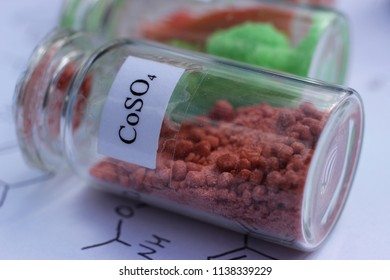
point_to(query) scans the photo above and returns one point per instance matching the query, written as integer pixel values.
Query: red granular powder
(58, 97)
(248, 165)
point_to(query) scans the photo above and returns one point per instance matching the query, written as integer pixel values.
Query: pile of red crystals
(248, 165)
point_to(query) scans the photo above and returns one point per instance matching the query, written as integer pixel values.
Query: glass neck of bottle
(42, 94)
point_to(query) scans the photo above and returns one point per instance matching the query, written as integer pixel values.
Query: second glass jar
(305, 41)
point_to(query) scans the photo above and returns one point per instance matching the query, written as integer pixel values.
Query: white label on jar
(134, 110)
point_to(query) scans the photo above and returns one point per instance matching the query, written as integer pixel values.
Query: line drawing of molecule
(5, 187)
(152, 251)
(149, 247)
(241, 253)
(123, 211)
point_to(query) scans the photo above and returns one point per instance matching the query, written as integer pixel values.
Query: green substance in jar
(260, 44)
(304, 52)
(184, 45)
(196, 93)
(254, 43)
(90, 15)
(263, 45)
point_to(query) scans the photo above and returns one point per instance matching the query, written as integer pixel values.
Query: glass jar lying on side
(265, 154)
(296, 39)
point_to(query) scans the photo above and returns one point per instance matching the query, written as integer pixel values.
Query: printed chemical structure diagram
(149, 247)
(124, 212)
(15, 173)
(244, 252)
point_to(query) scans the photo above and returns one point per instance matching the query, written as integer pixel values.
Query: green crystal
(306, 48)
(260, 44)
(184, 45)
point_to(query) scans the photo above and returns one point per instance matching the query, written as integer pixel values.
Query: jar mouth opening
(31, 97)
(332, 171)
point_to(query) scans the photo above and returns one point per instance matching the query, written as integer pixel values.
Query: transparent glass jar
(305, 41)
(268, 155)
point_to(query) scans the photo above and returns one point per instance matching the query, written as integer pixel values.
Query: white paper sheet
(46, 216)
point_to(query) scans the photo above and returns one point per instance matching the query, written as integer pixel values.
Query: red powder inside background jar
(196, 29)
(248, 165)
